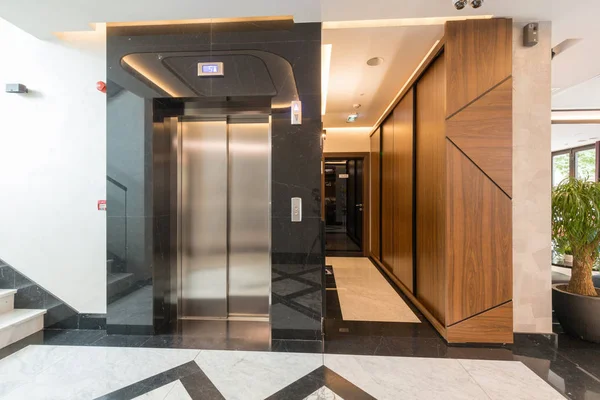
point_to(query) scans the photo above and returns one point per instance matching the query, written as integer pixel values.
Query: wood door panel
(430, 188)
(478, 57)
(403, 183)
(375, 193)
(492, 326)
(479, 240)
(387, 193)
(483, 131)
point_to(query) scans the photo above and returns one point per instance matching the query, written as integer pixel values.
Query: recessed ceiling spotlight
(459, 4)
(352, 118)
(375, 61)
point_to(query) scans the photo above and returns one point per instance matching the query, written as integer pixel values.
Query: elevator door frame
(229, 116)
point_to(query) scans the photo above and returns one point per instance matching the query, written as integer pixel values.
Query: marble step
(7, 300)
(18, 324)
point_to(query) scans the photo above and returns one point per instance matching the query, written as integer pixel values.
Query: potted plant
(576, 226)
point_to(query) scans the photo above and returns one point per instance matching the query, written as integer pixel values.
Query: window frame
(571, 152)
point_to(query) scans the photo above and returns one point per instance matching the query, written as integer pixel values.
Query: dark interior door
(351, 209)
(355, 200)
(359, 205)
(344, 213)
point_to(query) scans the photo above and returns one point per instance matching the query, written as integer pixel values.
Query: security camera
(476, 3)
(459, 4)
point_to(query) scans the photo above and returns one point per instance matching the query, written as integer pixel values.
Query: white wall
(53, 164)
(353, 140)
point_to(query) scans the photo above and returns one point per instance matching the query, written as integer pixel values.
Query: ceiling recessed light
(375, 61)
(352, 118)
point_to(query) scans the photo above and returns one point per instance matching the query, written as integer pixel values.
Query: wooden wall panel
(483, 131)
(403, 195)
(478, 57)
(493, 326)
(387, 193)
(375, 195)
(478, 240)
(430, 188)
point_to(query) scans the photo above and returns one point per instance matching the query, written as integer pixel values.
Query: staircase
(16, 324)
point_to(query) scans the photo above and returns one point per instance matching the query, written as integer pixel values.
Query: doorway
(345, 204)
(223, 228)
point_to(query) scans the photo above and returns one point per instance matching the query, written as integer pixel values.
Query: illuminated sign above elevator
(211, 69)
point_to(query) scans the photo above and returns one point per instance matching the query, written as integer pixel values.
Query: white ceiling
(352, 81)
(574, 135)
(570, 20)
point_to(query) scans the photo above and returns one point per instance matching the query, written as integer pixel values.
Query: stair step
(7, 300)
(18, 324)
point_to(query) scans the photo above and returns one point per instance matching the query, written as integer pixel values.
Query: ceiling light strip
(428, 57)
(398, 22)
(325, 71)
(576, 116)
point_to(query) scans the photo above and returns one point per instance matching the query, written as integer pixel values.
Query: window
(579, 162)
(585, 164)
(560, 168)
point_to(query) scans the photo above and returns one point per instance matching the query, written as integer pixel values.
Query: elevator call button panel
(296, 209)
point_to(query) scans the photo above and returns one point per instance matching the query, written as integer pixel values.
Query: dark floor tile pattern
(321, 377)
(200, 387)
(297, 299)
(191, 376)
(340, 241)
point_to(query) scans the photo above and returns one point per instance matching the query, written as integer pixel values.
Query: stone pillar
(532, 180)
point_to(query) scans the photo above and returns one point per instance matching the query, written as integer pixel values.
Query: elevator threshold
(249, 318)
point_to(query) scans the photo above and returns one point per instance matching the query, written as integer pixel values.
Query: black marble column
(263, 59)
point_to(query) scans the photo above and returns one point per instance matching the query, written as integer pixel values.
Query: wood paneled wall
(375, 195)
(450, 138)
(403, 190)
(479, 180)
(479, 55)
(387, 193)
(431, 188)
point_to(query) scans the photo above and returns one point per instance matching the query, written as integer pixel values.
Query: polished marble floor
(365, 295)
(356, 360)
(79, 372)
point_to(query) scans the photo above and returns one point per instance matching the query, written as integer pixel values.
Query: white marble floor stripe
(445, 379)
(393, 378)
(242, 375)
(85, 372)
(509, 380)
(62, 372)
(365, 295)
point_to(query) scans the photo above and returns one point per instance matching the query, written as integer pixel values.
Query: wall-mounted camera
(460, 4)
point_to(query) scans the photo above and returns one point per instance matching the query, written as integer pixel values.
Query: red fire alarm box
(102, 205)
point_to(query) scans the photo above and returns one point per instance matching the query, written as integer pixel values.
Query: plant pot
(568, 259)
(578, 315)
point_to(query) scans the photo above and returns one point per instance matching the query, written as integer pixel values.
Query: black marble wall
(276, 59)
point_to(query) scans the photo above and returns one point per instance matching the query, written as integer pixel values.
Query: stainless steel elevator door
(249, 218)
(203, 220)
(224, 214)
